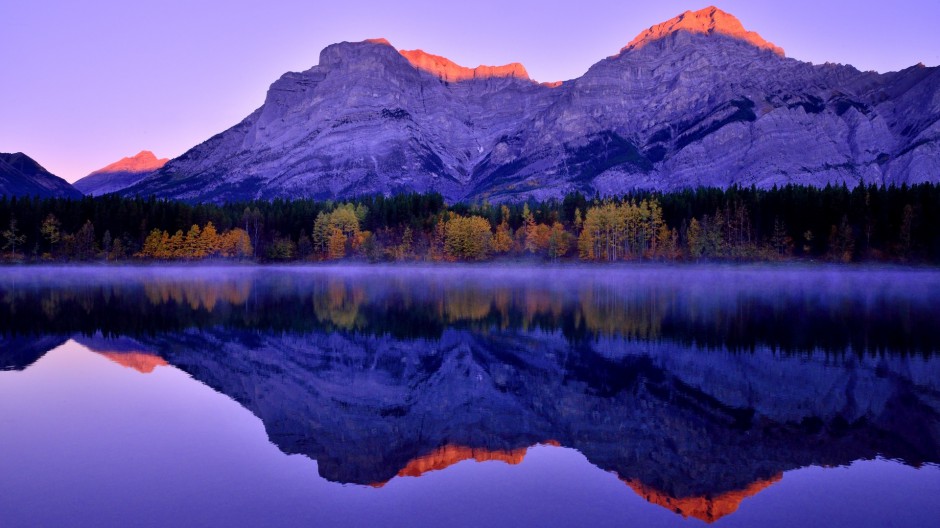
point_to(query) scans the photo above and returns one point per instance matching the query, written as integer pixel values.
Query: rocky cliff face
(120, 174)
(697, 100)
(20, 175)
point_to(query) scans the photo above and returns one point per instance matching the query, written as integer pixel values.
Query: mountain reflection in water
(697, 387)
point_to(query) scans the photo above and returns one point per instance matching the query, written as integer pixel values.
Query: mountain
(20, 175)
(120, 174)
(697, 100)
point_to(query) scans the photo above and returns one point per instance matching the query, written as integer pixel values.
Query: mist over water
(415, 396)
(837, 309)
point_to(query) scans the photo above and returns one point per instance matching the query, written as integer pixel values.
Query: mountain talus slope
(120, 174)
(20, 175)
(698, 100)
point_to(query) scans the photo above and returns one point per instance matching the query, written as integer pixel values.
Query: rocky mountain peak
(708, 21)
(448, 71)
(348, 53)
(143, 161)
(436, 65)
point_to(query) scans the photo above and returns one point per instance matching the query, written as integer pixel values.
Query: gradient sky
(87, 83)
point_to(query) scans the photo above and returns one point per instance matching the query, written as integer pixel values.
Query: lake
(469, 396)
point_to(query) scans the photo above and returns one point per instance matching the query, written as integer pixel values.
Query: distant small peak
(708, 21)
(552, 84)
(143, 161)
(449, 71)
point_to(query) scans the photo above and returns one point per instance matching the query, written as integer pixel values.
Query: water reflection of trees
(198, 295)
(407, 307)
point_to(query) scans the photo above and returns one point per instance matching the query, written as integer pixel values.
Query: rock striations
(697, 100)
(20, 175)
(120, 174)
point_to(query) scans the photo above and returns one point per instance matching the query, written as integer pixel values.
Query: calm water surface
(469, 396)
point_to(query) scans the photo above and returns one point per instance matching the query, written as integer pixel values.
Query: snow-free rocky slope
(697, 100)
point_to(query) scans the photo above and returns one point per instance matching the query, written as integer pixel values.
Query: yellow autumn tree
(467, 238)
(502, 240)
(336, 246)
(153, 245)
(210, 242)
(236, 244)
(558, 241)
(191, 249)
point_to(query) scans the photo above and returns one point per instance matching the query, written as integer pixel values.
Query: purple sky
(87, 83)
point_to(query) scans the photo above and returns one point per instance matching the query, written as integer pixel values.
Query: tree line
(835, 223)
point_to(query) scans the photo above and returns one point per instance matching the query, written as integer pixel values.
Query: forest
(866, 223)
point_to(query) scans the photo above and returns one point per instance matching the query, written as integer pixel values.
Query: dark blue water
(648, 396)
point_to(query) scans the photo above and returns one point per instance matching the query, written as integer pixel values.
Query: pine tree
(84, 245)
(779, 240)
(907, 220)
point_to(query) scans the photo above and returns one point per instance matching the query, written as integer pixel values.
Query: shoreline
(484, 265)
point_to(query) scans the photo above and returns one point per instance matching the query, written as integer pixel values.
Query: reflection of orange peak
(448, 455)
(708, 509)
(449, 71)
(708, 21)
(140, 361)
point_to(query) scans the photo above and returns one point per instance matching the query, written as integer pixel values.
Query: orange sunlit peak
(449, 71)
(708, 21)
(143, 161)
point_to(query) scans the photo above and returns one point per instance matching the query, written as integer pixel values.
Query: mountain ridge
(22, 176)
(695, 101)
